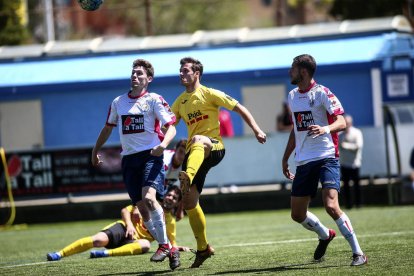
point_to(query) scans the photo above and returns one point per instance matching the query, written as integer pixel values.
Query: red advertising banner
(62, 171)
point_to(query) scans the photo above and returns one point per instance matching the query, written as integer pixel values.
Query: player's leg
(112, 236)
(137, 247)
(195, 212)
(133, 167)
(304, 188)
(200, 147)
(153, 182)
(100, 239)
(75, 247)
(330, 189)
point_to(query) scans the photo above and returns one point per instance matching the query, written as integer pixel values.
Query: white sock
(106, 252)
(150, 227)
(312, 223)
(345, 226)
(157, 217)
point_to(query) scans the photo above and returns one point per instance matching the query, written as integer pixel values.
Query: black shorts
(212, 160)
(116, 235)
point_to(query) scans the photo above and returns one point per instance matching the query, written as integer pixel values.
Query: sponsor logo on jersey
(303, 119)
(132, 124)
(196, 116)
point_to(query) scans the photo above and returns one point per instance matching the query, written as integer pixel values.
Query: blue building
(58, 94)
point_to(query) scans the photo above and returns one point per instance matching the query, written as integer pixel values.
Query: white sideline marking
(313, 239)
(19, 265)
(252, 244)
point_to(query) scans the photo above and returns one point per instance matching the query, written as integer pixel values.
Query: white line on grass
(256, 244)
(313, 239)
(19, 265)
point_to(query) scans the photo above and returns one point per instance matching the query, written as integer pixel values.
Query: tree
(178, 16)
(357, 9)
(12, 26)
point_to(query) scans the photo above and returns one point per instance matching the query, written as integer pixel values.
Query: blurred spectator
(226, 125)
(350, 147)
(284, 119)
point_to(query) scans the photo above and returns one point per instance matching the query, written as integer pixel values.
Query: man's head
(142, 73)
(172, 198)
(180, 152)
(191, 71)
(303, 68)
(348, 120)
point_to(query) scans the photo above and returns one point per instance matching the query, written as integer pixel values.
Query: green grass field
(248, 243)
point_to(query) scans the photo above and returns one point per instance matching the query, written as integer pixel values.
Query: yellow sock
(78, 246)
(198, 224)
(195, 159)
(126, 250)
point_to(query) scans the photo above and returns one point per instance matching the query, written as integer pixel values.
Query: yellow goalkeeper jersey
(200, 112)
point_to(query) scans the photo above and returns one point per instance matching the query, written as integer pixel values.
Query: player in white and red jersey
(317, 117)
(173, 161)
(140, 115)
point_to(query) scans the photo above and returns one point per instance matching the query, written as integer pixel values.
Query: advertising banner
(63, 171)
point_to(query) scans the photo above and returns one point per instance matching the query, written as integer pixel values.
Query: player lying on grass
(127, 236)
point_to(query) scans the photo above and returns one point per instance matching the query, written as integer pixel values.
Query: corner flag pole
(9, 188)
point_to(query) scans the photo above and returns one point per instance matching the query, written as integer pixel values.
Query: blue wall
(73, 114)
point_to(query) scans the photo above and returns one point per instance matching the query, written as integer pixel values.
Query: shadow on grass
(290, 267)
(148, 273)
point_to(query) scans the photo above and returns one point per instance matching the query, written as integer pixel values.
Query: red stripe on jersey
(157, 130)
(205, 117)
(107, 117)
(335, 137)
(171, 122)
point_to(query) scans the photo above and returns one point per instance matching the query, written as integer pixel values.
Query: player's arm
(248, 118)
(290, 147)
(169, 136)
(102, 138)
(130, 228)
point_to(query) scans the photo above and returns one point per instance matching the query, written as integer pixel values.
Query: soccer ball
(90, 5)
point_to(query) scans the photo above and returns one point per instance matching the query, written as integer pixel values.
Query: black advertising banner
(63, 171)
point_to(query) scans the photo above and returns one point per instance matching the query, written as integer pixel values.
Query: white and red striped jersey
(139, 120)
(315, 106)
(171, 173)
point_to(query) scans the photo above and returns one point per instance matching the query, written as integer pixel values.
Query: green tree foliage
(357, 9)
(12, 29)
(178, 16)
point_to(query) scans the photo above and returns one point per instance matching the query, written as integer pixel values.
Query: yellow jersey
(200, 112)
(142, 231)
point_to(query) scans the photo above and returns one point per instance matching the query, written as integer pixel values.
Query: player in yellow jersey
(127, 236)
(198, 106)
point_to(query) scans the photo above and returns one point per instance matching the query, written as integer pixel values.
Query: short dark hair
(181, 143)
(197, 65)
(176, 189)
(307, 62)
(146, 64)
